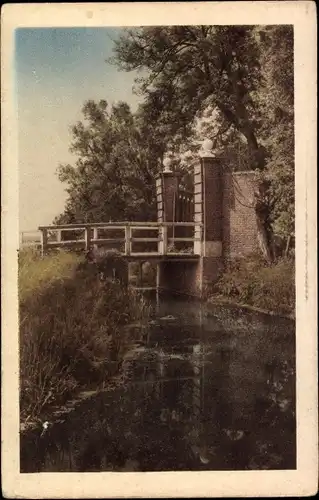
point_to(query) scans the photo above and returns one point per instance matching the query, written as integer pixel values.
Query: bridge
(164, 238)
(196, 231)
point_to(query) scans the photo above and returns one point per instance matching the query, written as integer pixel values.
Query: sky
(57, 70)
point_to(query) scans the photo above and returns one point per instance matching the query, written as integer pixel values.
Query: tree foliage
(233, 84)
(240, 80)
(190, 68)
(276, 97)
(113, 176)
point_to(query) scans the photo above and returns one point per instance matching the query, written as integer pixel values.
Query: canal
(206, 388)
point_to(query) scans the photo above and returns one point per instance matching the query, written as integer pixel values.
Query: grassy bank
(71, 328)
(254, 282)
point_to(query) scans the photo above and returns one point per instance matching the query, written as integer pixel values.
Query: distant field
(30, 238)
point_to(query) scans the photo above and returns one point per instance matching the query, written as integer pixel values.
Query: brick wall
(239, 220)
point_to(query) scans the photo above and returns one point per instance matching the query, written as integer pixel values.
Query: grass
(38, 274)
(254, 282)
(71, 328)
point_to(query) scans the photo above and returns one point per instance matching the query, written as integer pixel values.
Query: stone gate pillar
(212, 202)
(211, 194)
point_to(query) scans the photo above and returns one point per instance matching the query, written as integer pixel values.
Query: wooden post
(87, 237)
(161, 240)
(165, 239)
(95, 237)
(198, 245)
(174, 215)
(44, 241)
(127, 240)
(58, 235)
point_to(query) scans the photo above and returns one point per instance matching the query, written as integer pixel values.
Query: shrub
(109, 263)
(253, 281)
(71, 328)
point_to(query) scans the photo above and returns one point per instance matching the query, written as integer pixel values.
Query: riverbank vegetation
(253, 281)
(72, 328)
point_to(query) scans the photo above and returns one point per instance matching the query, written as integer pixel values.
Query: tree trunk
(287, 246)
(263, 239)
(264, 229)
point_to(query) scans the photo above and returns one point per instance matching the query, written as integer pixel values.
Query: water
(207, 389)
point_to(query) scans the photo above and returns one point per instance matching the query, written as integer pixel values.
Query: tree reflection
(191, 400)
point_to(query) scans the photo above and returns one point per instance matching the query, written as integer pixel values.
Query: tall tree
(276, 105)
(113, 176)
(191, 69)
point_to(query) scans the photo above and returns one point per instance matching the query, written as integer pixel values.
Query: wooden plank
(106, 225)
(111, 225)
(95, 236)
(127, 240)
(177, 224)
(146, 239)
(144, 228)
(87, 237)
(108, 240)
(144, 254)
(184, 257)
(109, 228)
(184, 239)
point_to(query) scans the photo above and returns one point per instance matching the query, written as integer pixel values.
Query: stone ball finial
(167, 163)
(207, 148)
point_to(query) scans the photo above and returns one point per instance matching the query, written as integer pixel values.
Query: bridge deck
(159, 257)
(171, 243)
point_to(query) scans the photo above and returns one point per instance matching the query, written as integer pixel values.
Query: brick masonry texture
(213, 195)
(239, 219)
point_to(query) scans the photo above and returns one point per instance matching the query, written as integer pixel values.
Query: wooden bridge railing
(51, 236)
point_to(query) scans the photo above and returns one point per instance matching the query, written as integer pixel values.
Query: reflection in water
(205, 392)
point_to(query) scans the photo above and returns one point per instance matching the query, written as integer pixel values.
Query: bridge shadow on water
(207, 389)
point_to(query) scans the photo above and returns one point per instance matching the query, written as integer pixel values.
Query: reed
(72, 331)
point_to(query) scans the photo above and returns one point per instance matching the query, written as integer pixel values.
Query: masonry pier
(224, 212)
